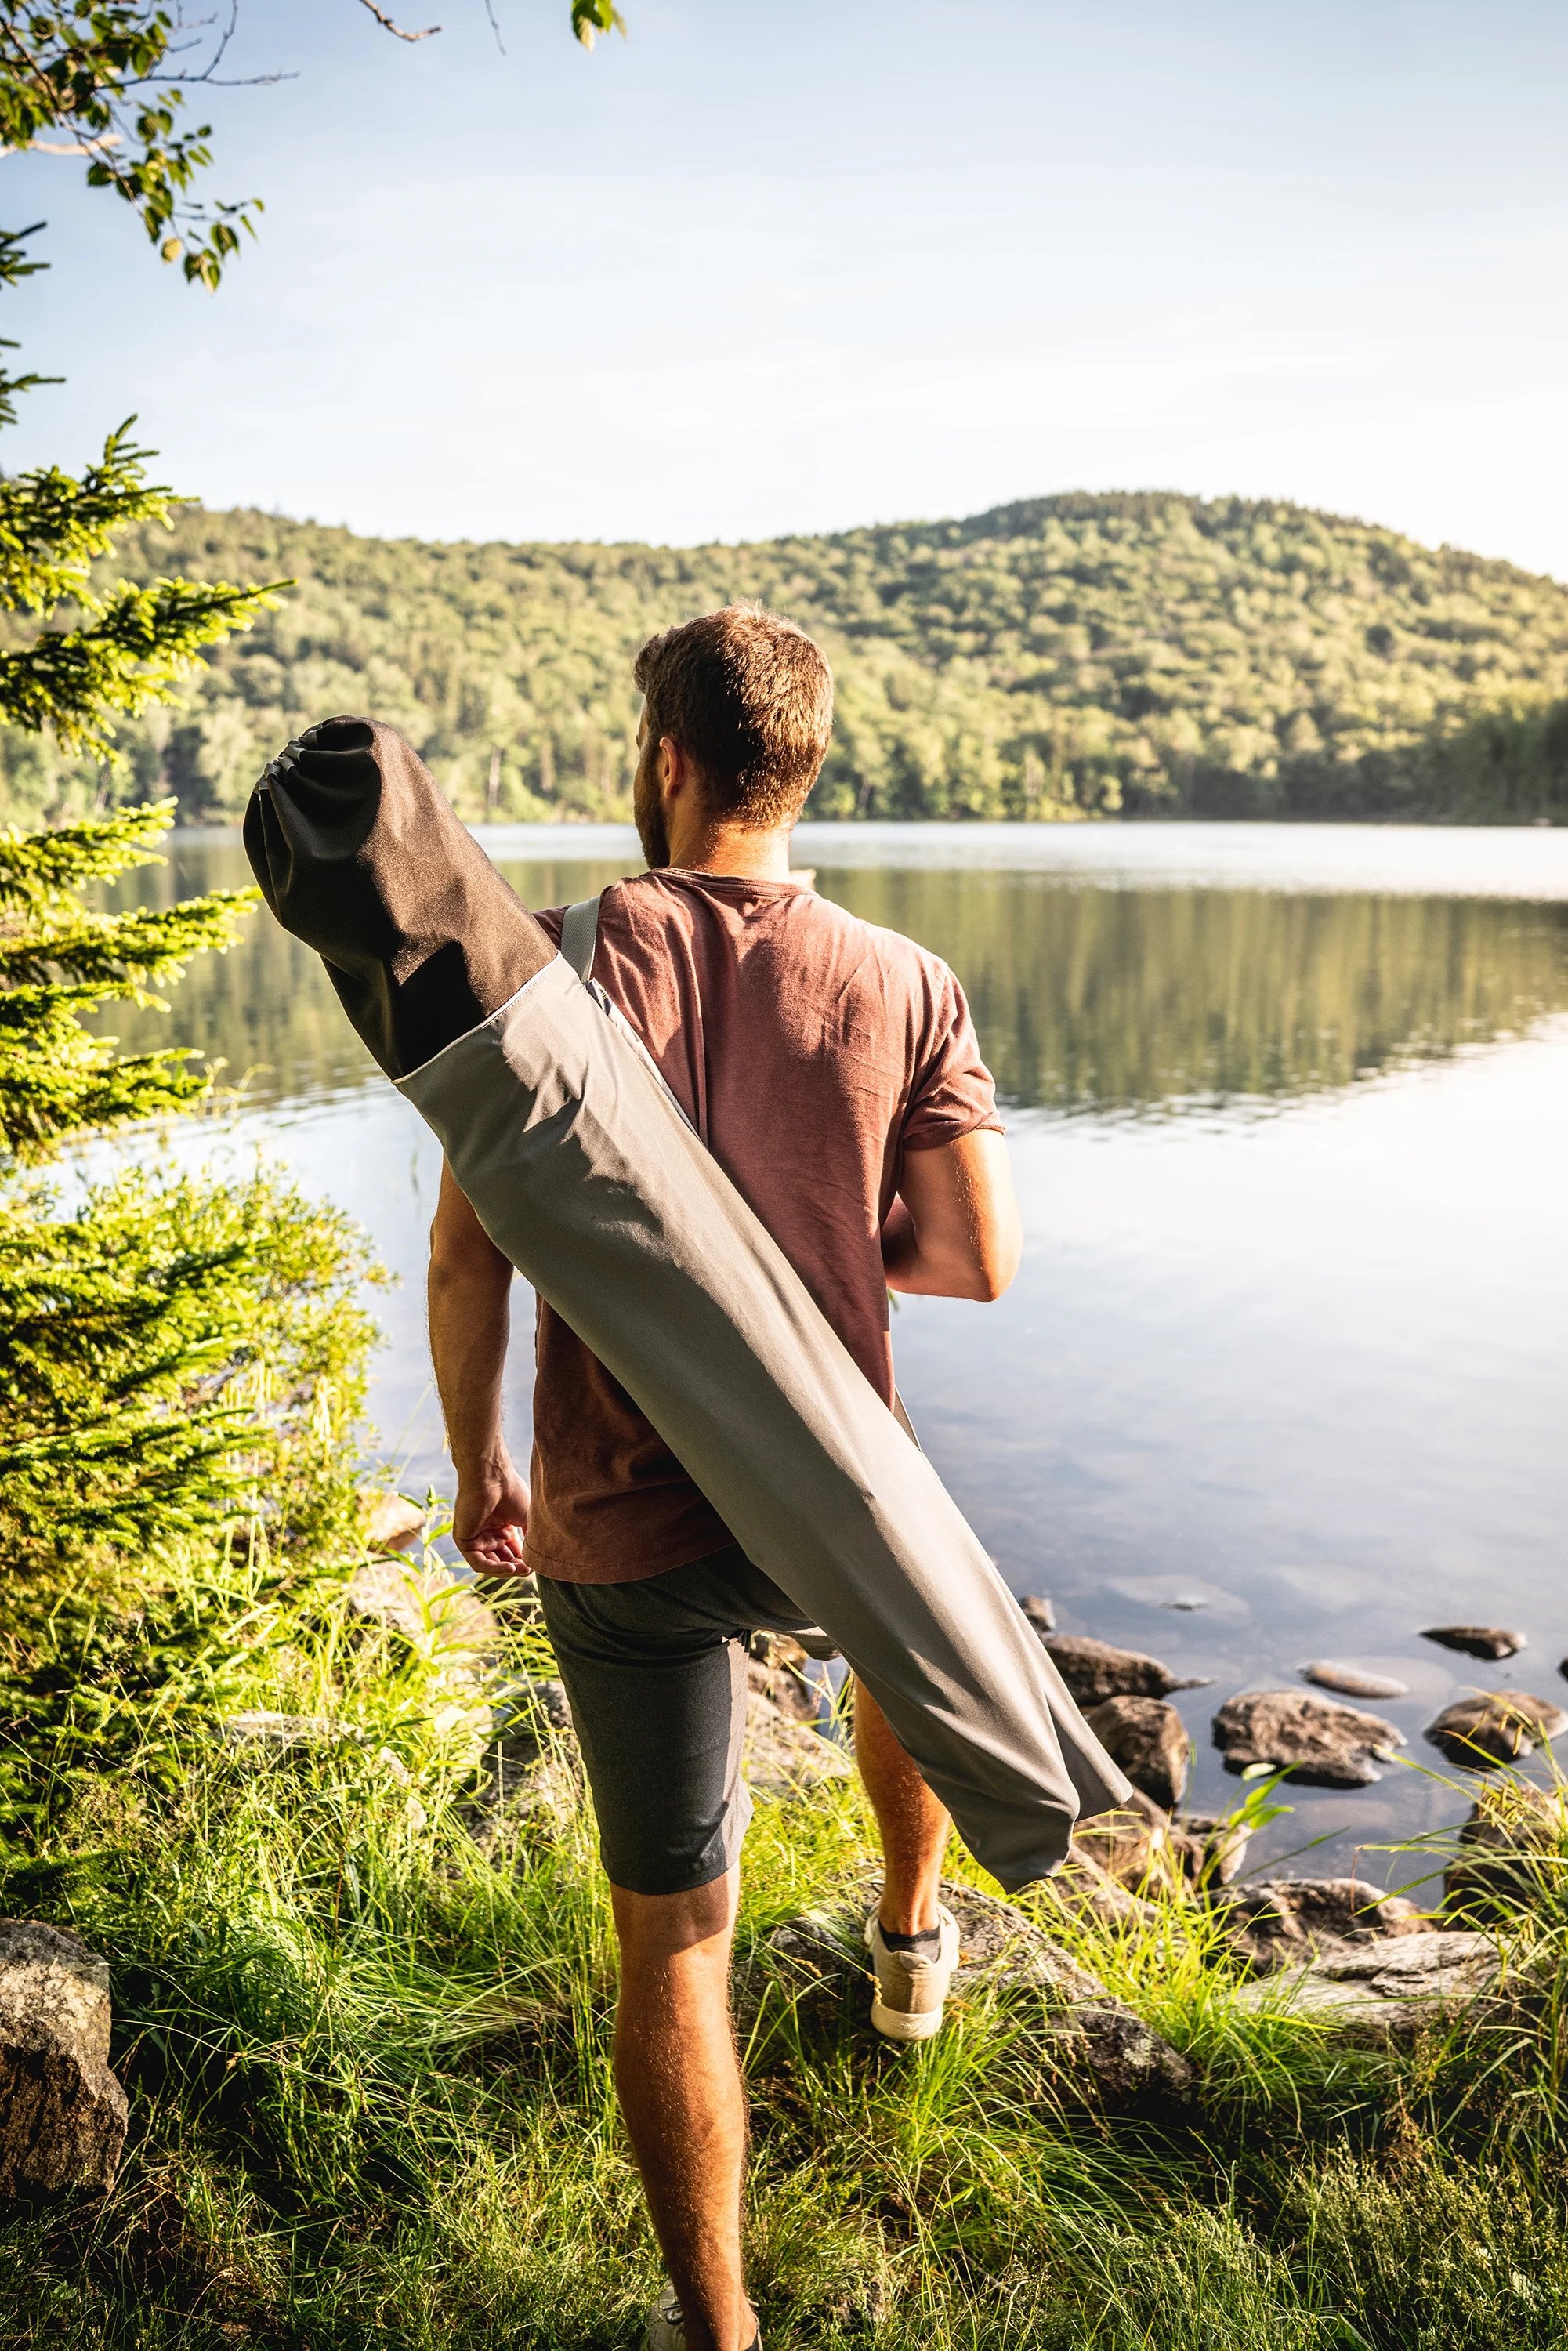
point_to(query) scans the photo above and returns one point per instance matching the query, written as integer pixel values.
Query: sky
(763, 269)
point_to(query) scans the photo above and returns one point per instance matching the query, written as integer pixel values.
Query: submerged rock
(1386, 1990)
(1095, 1671)
(1493, 1726)
(1352, 1682)
(1489, 1641)
(1278, 1922)
(62, 2112)
(1037, 1608)
(1150, 1741)
(1513, 1851)
(1068, 2024)
(1324, 1745)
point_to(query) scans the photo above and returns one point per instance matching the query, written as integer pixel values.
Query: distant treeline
(1077, 656)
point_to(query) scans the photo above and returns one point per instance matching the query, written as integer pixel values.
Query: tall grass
(368, 2055)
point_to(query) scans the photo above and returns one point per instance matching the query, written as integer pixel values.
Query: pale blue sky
(794, 267)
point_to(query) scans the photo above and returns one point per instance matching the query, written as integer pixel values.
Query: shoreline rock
(1279, 1922)
(1352, 1682)
(1386, 1991)
(1151, 1743)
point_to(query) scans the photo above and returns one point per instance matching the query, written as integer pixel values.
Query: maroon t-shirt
(811, 1051)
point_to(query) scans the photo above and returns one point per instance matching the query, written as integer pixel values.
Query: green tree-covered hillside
(1067, 656)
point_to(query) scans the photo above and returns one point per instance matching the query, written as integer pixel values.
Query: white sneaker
(912, 1988)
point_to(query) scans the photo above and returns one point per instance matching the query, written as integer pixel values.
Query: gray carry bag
(586, 1173)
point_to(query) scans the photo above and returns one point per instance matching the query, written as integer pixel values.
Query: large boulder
(1149, 1739)
(1387, 1989)
(1095, 1671)
(1324, 1745)
(1081, 2039)
(62, 2112)
(1279, 1922)
(1493, 1726)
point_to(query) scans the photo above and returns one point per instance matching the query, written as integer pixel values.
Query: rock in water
(1351, 1682)
(62, 2113)
(1037, 1608)
(1385, 1989)
(1068, 2023)
(1495, 1727)
(1326, 1746)
(1095, 1671)
(1478, 1640)
(1149, 1739)
(1278, 1922)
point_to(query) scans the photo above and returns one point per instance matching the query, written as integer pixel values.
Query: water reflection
(1089, 997)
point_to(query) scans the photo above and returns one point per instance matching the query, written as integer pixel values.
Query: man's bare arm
(954, 1231)
(470, 1320)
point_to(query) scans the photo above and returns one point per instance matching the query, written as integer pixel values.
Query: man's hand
(954, 1231)
(470, 1282)
(491, 1518)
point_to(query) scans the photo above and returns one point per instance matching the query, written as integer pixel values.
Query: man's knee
(656, 1930)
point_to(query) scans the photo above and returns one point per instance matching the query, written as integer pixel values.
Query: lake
(1289, 1114)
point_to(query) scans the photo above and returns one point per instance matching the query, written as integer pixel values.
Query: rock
(1510, 1851)
(1149, 1739)
(1386, 1990)
(784, 1756)
(530, 1771)
(1478, 1640)
(1324, 1745)
(1209, 1848)
(1351, 1682)
(434, 1611)
(1040, 1612)
(1278, 1922)
(1081, 1889)
(392, 1521)
(1186, 1601)
(1067, 2022)
(62, 2112)
(1495, 1727)
(1095, 1671)
(781, 1682)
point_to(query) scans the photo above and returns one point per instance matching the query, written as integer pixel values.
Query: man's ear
(675, 769)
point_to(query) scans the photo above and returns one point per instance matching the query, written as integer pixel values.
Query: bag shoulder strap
(579, 936)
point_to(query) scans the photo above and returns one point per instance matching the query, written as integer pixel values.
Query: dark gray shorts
(655, 1672)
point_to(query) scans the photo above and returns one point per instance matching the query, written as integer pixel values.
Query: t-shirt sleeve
(550, 922)
(954, 1093)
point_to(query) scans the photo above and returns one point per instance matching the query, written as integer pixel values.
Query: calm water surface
(1289, 1114)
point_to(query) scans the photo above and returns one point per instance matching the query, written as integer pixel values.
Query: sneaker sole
(898, 2024)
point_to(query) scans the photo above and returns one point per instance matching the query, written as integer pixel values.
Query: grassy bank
(368, 2057)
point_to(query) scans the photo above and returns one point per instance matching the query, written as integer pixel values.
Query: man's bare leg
(914, 1825)
(681, 2094)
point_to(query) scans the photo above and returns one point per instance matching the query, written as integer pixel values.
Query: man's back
(811, 1051)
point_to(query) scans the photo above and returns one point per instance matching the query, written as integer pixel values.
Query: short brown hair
(750, 699)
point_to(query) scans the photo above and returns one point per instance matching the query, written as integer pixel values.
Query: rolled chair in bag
(586, 1173)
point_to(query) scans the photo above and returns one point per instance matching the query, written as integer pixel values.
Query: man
(833, 1071)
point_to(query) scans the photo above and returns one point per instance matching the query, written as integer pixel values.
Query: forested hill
(1078, 655)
